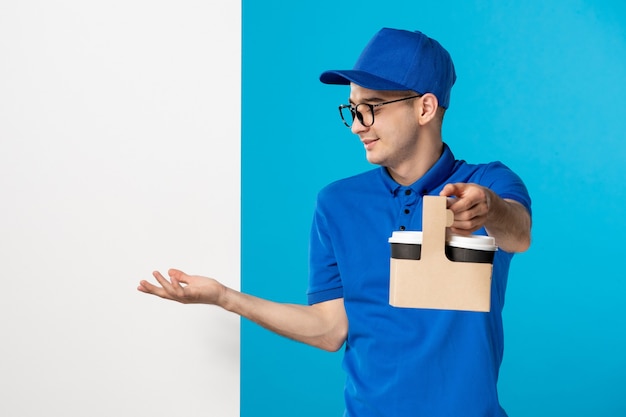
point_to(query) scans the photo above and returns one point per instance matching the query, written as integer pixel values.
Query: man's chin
(373, 159)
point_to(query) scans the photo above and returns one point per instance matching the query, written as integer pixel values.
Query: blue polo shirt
(405, 362)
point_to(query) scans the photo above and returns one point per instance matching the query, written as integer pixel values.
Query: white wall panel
(119, 154)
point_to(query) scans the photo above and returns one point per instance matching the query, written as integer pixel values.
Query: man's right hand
(323, 325)
(186, 289)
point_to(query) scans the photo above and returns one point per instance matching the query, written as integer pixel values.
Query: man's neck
(412, 171)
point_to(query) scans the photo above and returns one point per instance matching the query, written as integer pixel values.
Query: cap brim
(361, 78)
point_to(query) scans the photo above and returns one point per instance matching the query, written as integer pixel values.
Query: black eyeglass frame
(357, 114)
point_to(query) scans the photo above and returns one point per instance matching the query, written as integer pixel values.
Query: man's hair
(441, 112)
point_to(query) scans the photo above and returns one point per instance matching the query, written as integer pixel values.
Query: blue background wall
(542, 87)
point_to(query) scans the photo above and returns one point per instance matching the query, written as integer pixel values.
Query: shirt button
(407, 192)
(402, 228)
(407, 211)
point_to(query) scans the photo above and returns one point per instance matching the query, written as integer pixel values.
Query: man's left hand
(470, 204)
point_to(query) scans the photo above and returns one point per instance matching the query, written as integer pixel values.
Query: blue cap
(401, 60)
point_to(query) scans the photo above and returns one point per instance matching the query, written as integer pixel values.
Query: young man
(400, 362)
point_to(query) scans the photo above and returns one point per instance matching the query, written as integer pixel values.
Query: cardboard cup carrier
(435, 270)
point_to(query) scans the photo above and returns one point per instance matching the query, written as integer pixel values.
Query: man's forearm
(321, 325)
(509, 223)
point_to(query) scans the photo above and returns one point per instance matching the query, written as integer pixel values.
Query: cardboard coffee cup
(473, 248)
(406, 244)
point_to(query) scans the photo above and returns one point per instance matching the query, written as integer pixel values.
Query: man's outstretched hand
(184, 288)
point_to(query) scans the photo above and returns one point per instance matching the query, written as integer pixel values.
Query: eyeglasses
(364, 111)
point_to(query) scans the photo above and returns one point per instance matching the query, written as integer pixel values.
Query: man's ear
(427, 110)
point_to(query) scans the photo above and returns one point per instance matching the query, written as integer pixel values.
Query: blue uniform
(403, 362)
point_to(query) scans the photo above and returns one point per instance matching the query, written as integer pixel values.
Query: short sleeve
(507, 184)
(324, 278)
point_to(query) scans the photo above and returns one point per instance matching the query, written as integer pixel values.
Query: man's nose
(357, 127)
